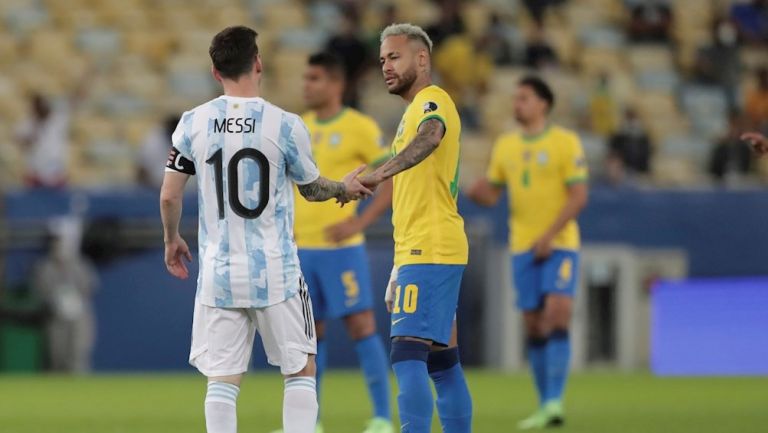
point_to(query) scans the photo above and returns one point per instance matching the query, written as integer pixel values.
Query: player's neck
(535, 127)
(420, 84)
(329, 112)
(242, 88)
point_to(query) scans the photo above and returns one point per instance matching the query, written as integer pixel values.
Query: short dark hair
(540, 88)
(329, 61)
(233, 51)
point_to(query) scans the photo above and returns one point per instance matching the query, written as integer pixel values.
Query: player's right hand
(175, 251)
(354, 189)
(757, 141)
(389, 293)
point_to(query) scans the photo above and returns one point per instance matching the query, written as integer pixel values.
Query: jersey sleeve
(574, 165)
(302, 168)
(180, 158)
(496, 174)
(372, 148)
(433, 105)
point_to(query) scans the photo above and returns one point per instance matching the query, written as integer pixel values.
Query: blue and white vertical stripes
(246, 261)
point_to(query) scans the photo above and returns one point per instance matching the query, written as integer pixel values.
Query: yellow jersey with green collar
(537, 172)
(339, 145)
(428, 227)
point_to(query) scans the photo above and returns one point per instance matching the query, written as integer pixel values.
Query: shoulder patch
(430, 107)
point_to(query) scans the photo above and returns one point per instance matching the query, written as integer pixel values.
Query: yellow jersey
(537, 172)
(339, 145)
(428, 227)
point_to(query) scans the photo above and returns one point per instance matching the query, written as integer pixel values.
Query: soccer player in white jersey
(247, 154)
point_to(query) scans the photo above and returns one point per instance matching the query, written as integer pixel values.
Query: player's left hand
(337, 233)
(175, 251)
(542, 248)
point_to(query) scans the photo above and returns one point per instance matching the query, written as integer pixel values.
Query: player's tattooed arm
(322, 189)
(348, 189)
(426, 141)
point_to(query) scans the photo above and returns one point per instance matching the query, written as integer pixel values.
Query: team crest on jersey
(542, 158)
(430, 107)
(334, 139)
(401, 128)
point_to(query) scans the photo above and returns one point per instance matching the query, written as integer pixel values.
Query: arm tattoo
(426, 141)
(322, 189)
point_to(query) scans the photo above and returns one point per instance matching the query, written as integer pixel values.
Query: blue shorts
(339, 281)
(558, 274)
(425, 301)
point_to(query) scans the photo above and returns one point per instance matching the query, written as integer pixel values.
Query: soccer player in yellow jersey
(544, 170)
(430, 243)
(330, 240)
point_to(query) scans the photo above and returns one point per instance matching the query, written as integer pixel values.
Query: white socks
(221, 407)
(299, 405)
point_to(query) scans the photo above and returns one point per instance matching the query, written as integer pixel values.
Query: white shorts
(222, 338)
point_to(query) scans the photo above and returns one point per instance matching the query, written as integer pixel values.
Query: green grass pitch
(596, 403)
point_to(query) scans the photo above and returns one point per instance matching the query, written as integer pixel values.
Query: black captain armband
(177, 162)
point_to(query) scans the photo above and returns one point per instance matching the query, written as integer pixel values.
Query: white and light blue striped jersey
(246, 153)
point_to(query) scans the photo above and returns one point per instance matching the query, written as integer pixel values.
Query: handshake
(358, 187)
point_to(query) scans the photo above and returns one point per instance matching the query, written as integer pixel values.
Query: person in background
(450, 22)
(544, 170)
(539, 54)
(650, 20)
(719, 63)
(156, 146)
(730, 160)
(631, 144)
(44, 136)
(351, 48)
(465, 85)
(756, 102)
(603, 107)
(65, 280)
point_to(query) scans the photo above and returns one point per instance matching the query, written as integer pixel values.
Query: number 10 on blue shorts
(425, 301)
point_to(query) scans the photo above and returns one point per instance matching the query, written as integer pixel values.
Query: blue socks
(409, 361)
(549, 359)
(373, 360)
(454, 403)
(558, 355)
(537, 351)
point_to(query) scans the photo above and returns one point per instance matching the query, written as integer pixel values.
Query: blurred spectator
(351, 48)
(756, 105)
(450, 22)
(719, 63)
(464, 84)
(65, 280)
(538, 8)
(731, 158)
(154, 152)
(752, 21)
(603, 108)
(631, 144)
(499, 40)
(44, 138)
(539, 54)
(650, 20)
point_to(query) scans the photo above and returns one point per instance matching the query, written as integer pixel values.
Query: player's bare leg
(361, 327)
(221, 404)
(300, 400)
